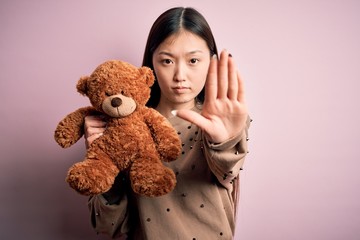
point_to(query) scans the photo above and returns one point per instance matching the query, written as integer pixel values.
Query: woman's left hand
(224, 112)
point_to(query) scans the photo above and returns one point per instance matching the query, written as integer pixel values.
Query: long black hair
(167, 24)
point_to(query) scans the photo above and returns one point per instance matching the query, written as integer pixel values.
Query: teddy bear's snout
(116, 102)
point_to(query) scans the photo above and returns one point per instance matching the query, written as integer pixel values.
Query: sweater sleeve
(109, 211)
(226, 159)
(109, 219)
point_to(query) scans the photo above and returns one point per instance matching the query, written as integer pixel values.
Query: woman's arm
(109, 219)
(109, 211)
(224, 119)
(226, 159)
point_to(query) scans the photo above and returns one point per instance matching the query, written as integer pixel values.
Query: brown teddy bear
(137, 138)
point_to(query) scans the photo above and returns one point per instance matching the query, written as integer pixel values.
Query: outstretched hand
(224, 112)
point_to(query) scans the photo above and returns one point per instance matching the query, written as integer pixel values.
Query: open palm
(224, 112)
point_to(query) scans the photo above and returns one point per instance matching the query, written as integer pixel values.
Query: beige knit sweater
(201, 207)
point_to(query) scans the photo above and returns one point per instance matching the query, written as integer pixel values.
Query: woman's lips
(180, 89)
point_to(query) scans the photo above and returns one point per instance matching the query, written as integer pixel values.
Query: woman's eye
(194, 60)
(167, 61)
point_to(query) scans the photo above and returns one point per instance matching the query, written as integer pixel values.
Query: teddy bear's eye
(122, 92)
(108, 94)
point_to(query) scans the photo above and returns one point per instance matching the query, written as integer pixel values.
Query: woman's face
(181, 64)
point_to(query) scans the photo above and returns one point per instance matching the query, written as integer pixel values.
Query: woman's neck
(166, 108)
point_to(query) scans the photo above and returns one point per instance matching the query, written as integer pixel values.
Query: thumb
(192, 116)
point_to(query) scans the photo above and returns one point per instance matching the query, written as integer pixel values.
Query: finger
(233, 79)
(95, 131)
(95, 118)
(211, 83)
(193, 117)
(91, 139)
(94, 121)
(241, 90)
(222, 80)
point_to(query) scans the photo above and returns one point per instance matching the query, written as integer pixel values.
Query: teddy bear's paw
(169, 151)
(172, 154)
(91, 177)
(64, 138)
(152, 181)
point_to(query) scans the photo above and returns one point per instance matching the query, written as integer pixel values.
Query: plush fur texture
(137, 138)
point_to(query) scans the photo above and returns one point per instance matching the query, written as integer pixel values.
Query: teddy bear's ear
(148, 75)
(82, 85)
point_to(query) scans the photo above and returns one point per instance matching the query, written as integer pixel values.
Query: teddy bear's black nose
(116, 102)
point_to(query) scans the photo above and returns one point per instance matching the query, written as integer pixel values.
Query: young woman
(202, 96)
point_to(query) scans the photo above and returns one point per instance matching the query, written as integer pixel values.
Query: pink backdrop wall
(301, 64)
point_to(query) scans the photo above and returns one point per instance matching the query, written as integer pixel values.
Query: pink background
(301, 65)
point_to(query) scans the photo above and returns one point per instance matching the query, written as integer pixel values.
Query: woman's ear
(148, 75)
(82, 85)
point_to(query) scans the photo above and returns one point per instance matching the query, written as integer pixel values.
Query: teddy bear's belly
(131, 143)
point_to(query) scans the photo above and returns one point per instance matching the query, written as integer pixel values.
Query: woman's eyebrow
(195, 51)
(166, 53)
(172, 55)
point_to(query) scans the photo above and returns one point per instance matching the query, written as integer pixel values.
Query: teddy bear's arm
(165, 137)
(71, 128)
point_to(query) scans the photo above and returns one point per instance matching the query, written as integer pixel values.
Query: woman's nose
(180, 73)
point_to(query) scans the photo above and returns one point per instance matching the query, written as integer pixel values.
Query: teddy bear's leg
(151, 178)
(91, 177)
